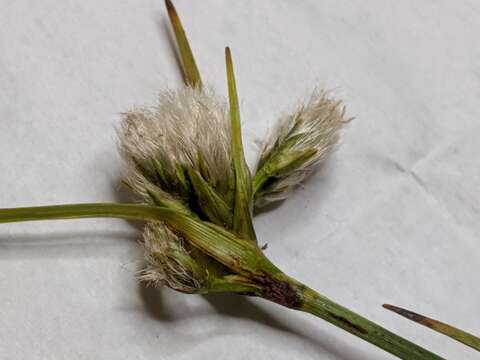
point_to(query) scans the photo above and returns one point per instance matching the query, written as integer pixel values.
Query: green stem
(77, 211)
(216, 243)
(324, 308)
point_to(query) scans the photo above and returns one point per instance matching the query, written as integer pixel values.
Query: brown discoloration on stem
(280, 292)
(410, 315)
(347, 323)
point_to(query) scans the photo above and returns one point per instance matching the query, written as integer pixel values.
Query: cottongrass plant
(186, 164)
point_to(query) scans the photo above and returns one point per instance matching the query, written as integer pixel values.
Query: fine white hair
(188, 127)
(169, 262)
(314, 125)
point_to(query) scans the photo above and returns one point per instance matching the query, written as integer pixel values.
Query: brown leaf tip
(409, 314)
(228, 56)
(170, 8)
(173, 15)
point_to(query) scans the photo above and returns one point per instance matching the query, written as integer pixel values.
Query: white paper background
(393, 217)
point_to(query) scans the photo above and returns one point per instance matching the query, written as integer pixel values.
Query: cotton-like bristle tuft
(169, 262)
(297, 145)
(187, 133)
(188, 127)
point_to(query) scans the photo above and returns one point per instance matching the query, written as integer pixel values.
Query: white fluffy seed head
(169, 262)
(313, 129)
(188, 127)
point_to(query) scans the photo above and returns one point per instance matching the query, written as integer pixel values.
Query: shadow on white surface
(231, 306)
(63, 245)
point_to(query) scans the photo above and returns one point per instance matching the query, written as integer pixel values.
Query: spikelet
(178, 156)
(188, 128)
(169, 262)
(299, 142)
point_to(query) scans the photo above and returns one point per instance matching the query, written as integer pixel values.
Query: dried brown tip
(170, 8)
(409, 315)
(190, 70)
(228, 54)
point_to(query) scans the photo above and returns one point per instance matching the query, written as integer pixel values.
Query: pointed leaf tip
(242, 214)
(230, 73)
(170, 7)
(189, 66)
(408, 314)
(442, 328)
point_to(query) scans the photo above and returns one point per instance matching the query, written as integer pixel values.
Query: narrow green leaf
(242, 213)
(445, 329)
(78, 211)
(211, 204)
(213, 240)
(239, 255)
(190, 71)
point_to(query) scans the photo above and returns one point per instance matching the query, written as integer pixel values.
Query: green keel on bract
(198, 196)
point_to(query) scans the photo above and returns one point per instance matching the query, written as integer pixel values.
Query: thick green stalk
(442, 328)
(324, 308)
(256, 274)
(242, 212)
(189, 67)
